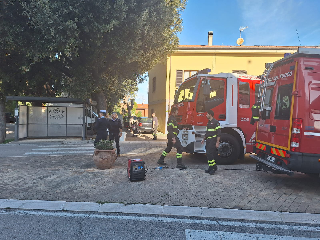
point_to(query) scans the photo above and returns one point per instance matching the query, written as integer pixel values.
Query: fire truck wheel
(228, 151)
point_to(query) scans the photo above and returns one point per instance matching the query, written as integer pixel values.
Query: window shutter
(179, 77)
(154, 84)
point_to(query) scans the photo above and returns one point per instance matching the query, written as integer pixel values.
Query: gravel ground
(75, 178)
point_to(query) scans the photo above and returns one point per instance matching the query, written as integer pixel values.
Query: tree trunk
(100, 98)
(2, 120)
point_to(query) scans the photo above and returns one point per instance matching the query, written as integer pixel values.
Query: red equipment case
(136, 170)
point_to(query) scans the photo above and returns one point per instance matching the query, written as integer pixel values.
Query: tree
(139, 114)
(85, 48)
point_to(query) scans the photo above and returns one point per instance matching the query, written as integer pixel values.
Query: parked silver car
(145, 125)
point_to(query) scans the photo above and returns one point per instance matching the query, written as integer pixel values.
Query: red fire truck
(230, 96)
(288, 132)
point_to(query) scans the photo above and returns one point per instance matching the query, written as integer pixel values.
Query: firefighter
(255, 112)
(154, 126)
(212, 139)
(101, 126)
(173, 140)
(115, 130)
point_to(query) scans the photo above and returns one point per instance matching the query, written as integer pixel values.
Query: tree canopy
(83, 48)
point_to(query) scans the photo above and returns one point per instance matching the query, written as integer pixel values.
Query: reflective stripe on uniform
(212, 136)
(164, 153)
(211, 163)
(255, 117)
(171, 124)
(179, 155)
(213, 129)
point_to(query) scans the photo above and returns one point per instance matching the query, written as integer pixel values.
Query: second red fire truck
(288, 133)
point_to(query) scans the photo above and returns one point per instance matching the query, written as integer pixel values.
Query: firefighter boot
(211, 170)
(161, 159)
(180, 165)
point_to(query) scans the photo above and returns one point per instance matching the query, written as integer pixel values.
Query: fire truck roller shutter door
(228, 151)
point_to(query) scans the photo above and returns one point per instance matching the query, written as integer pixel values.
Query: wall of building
(143, 108)
(157, 99)
(252, 61)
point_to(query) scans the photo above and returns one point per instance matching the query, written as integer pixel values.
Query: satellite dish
(240, 41)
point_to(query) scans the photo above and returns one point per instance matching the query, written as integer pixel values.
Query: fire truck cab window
(267, 104)
(268, 97)
(211, 94)
(256, 93)
(244, 95)
(186, 91)
(283, 104)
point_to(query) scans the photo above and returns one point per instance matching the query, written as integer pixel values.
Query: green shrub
(104, 145)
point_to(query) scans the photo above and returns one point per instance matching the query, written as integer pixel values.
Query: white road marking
(58, 149)
(58, 152)
(254, 225)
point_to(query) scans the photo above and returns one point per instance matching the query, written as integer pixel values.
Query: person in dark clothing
(255, 112)
(115, 130)
(101, 126)
(173, 140)
(154, 126)
(212, 139)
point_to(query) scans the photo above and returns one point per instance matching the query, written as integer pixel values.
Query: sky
(269, 22)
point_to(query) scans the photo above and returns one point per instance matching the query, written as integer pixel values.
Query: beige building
(187, 60)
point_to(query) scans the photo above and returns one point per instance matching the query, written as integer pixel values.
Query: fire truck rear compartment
(304, 162)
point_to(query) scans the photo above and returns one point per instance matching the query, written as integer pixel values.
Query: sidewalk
(147, 209)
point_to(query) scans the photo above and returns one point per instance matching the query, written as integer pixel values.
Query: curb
(148, 209)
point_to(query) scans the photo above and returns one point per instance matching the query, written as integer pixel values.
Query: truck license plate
(184, 136)
(271, 159)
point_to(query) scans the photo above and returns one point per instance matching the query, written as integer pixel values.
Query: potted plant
(104, 154)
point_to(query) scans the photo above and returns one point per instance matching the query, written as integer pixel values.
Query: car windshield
(146, 120)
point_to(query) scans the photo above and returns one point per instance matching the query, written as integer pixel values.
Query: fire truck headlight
(184, 136)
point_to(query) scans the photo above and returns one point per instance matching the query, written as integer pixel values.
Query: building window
(283, 106)
(154, 84)
(239, 71)
(182, 75)
(189, 73)
(179, 78)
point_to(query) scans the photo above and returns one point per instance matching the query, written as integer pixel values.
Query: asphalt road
(26, 225)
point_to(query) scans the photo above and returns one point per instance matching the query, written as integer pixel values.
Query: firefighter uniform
(154, 126)
(101, 126)
(114, 128)
(255, 113)
(173, 132)
(212, 133)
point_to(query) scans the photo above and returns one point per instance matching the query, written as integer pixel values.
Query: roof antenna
(298, 36)
(240, 39)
